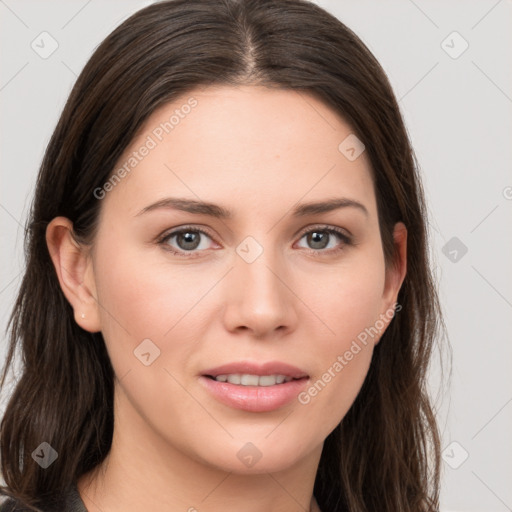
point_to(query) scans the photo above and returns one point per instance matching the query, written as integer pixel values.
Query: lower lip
(254, 398)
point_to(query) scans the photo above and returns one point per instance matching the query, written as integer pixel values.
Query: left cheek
(334, 388)
(352, 303)
(348, 383)
(351, 312)
(339, 378)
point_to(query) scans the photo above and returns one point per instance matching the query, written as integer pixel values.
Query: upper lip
(253, 368)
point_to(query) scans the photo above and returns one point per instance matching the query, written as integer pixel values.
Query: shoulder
(12, 505)
(70, 503)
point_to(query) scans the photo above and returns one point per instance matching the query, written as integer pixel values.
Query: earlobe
(73, 266)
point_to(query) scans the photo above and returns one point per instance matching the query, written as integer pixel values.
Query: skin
(257, 152)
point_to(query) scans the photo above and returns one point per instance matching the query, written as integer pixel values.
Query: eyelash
(346, 240)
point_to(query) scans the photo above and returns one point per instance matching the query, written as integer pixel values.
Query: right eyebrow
(190, 206)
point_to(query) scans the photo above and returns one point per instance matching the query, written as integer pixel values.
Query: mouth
(246, 379)
(254, 387)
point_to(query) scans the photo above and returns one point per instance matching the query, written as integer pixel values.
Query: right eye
(185, 240)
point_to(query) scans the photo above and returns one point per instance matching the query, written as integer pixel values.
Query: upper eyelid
(176, 231)
(325, 227)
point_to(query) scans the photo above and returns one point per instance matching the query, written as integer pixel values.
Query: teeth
(253, 380)
(249, 380)
(267, 380)
(234, 379)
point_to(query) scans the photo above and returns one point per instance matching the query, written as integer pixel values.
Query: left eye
(319, 238)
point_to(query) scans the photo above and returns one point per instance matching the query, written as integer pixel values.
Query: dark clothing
(73, 503)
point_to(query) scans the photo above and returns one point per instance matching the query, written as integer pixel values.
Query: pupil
(190, 240)
(316, 239)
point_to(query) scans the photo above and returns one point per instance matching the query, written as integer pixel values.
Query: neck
(144, 471)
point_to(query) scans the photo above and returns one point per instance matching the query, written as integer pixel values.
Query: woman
(227, 302)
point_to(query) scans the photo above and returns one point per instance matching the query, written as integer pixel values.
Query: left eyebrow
(217, 211)
(327, 206)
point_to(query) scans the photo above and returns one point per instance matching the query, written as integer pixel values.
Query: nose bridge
(259, 299)
(257, 271)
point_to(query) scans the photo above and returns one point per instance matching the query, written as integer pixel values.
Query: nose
(259, 298)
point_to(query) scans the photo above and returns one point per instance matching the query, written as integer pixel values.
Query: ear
(73, 265)
(395, 274)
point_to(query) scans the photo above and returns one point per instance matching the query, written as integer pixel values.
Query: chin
(260, 456)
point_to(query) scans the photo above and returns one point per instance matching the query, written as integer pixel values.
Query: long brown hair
(385, 454)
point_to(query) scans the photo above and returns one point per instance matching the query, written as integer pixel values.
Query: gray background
(458, 112)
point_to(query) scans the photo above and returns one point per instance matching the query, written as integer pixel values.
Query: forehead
(249, 147)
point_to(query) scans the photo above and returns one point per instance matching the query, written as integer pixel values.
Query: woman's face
(269, 288)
